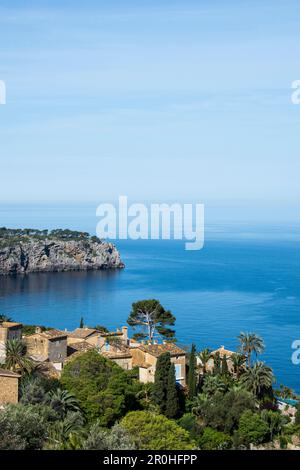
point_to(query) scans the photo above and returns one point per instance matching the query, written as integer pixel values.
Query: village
(51, 349)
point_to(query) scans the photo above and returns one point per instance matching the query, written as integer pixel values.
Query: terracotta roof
(82, 332)
(8, 373)
(223, 352)
(10, 324)
(50, 334)
(79, 346)
(158, 349)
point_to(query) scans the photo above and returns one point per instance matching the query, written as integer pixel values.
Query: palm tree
(258, 378)
(204, 357)
(238, 362)
(198, 402)
(213, 384)
(250, 343)
(63, 401)
(16, 359)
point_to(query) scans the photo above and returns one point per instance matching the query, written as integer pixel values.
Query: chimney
(38, 329)
(125, 334)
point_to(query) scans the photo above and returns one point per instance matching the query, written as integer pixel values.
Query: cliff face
(58, 255)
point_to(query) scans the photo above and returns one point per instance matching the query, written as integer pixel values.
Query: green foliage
(172, 406)
(31, 329)
(192, 378)
(250, 343)
(217, 364)
(10, 237)
(24, 425)
(16, 359)
(213, 384)
(62, 401)
(152, 318)
(252, 428)
(102, 388)
(204, 357)
(156, 432)
(161, 381)
(99, 438)
(224, 365)
(214, 440)
(258, 379)
(165, 394)
(81, 323)
(222, 411)
(297, 417)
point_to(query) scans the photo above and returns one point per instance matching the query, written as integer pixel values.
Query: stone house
(222, 352)
(9, 387)
(102, 340)
(8, 331)
(49, 345)
(145, 356)
(113, 345)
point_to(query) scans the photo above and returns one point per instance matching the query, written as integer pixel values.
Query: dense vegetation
(97, 405)
(9, 236)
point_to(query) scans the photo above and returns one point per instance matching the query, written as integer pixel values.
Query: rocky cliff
(25, 254)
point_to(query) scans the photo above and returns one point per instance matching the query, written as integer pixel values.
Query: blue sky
(157, 100)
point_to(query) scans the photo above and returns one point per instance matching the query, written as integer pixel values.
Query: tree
(217, 363)
(104, 390)
(151, 316)
(275, 421)
(224, 365)
(156, 432)
(238, 362)
(15, 356)
(161, 379)
(252, 428)
(222, 411)
(171, 395)
(250, 343)
(100, 438)
(213, 384)
(81, 323)
(258, 379)
(24, 425)
(63, 401)
(297, 417)
(192, 378)
(204, 357)
(214, 440)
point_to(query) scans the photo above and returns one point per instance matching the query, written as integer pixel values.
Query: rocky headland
(28, 250)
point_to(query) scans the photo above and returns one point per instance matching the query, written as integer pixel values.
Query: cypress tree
(81, 324)
(192, 373)
(172, 396)
(224, 369)
(217, 364)
(161, 381)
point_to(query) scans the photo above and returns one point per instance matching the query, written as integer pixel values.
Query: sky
(156, 100)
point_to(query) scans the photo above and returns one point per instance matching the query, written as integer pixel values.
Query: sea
(246, 278)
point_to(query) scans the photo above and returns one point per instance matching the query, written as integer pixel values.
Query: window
(107, 346)
(178, 371)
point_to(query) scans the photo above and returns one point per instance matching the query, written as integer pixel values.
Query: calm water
(245, 279)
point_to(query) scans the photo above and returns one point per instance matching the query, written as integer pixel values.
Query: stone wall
(8, 390)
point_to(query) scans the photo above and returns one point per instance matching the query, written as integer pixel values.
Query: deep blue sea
(246, 278)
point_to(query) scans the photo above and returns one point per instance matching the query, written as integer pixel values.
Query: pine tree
(161, 381)
(192, 373)
(224, 369)
(172, 395)
(217, 364)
